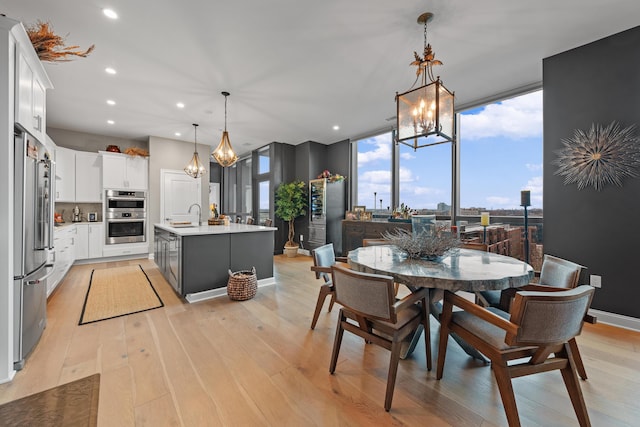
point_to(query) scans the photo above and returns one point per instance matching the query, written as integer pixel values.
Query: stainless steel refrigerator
(33, 238)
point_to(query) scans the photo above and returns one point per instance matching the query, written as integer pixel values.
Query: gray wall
(90, 142)
(596, 83)
(171, 154)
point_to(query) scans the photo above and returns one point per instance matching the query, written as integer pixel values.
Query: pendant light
(224, 154)
(427, 111)
(195, 168)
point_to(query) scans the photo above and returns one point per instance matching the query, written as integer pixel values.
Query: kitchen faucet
(199, 211)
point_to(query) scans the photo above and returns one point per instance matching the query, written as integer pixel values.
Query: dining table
(459, 269)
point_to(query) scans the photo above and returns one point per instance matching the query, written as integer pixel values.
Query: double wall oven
(125, 216)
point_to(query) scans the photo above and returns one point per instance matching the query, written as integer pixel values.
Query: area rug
(119, 291)
(71, 404)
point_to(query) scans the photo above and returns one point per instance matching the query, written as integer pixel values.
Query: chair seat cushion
(482, 329)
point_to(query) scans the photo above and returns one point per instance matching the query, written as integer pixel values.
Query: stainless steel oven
(125, 217)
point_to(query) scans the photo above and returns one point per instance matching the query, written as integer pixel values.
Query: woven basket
(242, 285)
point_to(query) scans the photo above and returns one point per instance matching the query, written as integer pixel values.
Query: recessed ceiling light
(336, 127)
(110, 70)
(180, 105)
(110, 13)
(111, 102)
(178, 134)
(111, 122)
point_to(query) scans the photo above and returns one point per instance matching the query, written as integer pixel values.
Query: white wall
(172, 154)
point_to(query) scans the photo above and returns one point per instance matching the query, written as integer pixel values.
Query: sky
(500, 155)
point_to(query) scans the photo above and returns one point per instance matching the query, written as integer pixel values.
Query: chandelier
(195, 168)
(426, 111)
(224, 154)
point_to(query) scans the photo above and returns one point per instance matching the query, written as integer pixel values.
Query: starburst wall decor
(602, 155)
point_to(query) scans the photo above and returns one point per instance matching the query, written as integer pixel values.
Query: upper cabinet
(121, 171)
(88, 177)
(65, 175)
(78, 176)
(31, 85)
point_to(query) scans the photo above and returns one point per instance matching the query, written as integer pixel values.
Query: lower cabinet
(64, 255)
(90, 238)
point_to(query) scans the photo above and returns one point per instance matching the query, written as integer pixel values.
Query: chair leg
(393, 372)
(503, 378)
(337, 342)
(324, 291)
(445, 318)
(426, 321)
(573, 346)
(331, 301)
(573, 387)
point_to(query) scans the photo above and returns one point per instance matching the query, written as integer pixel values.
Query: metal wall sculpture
(599, 156)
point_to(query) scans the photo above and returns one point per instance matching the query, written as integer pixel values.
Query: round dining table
(459, 270)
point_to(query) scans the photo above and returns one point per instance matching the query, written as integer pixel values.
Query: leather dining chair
(380, 242)
(323, 259)
(541, 324)
(370, 311)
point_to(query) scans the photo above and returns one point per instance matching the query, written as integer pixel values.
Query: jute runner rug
(118, 292)
(71, 404)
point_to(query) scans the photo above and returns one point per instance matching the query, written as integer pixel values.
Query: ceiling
(294, 68)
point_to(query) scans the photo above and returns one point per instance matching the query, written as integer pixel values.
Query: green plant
(291, 203)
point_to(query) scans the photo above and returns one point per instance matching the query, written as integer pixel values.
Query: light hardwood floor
(256, 362)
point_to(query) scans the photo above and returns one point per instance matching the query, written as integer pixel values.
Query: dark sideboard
(354, 231)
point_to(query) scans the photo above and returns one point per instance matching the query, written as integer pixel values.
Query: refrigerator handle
(40, 279)
(44, 237)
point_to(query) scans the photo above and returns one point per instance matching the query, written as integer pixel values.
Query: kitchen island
(196, 260)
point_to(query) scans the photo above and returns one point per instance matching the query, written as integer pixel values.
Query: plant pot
(291, 251)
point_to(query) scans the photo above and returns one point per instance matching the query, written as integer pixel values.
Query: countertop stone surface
(214, 229)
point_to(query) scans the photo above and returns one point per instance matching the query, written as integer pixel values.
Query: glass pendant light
(195, 168)
(224, 154)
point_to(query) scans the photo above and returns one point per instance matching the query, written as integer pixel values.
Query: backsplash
(66, 209)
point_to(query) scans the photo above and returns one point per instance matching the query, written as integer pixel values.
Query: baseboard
(618, 320)
(219, 292)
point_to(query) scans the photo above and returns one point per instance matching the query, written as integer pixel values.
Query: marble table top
(462, 270)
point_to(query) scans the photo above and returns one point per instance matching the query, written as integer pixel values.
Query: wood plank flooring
(255, 363)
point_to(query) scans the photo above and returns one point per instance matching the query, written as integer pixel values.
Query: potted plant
(291, 203)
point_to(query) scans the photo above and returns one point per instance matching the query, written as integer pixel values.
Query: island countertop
(214, 229)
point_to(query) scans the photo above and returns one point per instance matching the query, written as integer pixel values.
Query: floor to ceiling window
(373, 185)
(500, 155)
(425, 178)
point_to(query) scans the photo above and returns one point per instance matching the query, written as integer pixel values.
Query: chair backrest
(268, 222)
(324, 256)
(374, 242)
(238, 219)
(559, 272)
(367, 295)
(249, 220)
(547, 318)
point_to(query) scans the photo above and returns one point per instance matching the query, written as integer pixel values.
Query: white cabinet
(65, 175)
(121, 171)
(78, 176)
(64, 254)
(30, 102)
(88, 177)
(89, 240)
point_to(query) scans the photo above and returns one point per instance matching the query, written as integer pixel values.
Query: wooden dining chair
(268, 222)
(557, 274)
(249, 220)
(541, 324)
(324, 258)
(370, 311)
(380, 242)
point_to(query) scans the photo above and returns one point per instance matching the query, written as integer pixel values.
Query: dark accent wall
(596, 83)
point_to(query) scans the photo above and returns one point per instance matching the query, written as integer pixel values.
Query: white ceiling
(295, 68)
